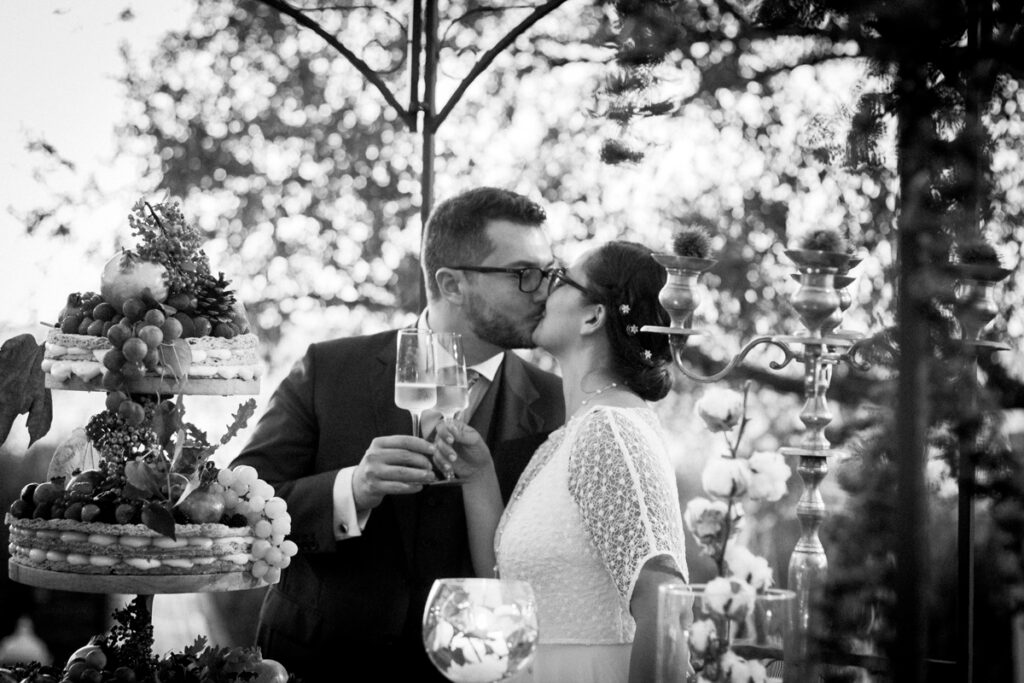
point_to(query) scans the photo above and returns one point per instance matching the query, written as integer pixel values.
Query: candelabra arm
(852, 355)
(678, 343)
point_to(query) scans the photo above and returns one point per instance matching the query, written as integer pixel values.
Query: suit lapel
(518, 416)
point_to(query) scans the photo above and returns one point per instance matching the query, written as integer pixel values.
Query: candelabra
(820, 301)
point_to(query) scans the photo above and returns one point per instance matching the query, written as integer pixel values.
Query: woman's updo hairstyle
(627, 280)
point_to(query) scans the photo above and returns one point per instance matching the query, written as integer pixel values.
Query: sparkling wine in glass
(415, 374)
(480, 630)
(452, 380)
(452, 384)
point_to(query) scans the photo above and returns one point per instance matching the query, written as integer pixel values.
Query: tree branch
(489, 56)
(409, 118)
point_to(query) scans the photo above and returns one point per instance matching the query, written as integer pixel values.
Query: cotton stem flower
(768, 476)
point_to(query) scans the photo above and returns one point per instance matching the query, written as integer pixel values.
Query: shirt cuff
(348, 523)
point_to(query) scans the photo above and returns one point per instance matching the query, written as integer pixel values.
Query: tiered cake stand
(143, 585)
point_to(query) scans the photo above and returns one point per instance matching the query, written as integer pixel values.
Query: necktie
(477, 388)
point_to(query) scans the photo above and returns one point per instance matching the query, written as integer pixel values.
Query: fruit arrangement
(151, 299)
(154, 469)
(125, 655)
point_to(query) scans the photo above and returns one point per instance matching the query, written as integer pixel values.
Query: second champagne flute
(415, 374)
(452, 381)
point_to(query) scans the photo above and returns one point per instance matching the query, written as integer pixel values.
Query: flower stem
(720, 560)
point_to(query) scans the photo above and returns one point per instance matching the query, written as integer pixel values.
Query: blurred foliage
(936, 123)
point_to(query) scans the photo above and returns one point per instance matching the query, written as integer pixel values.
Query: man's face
(496, 311)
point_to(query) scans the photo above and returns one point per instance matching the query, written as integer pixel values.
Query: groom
(372, 533)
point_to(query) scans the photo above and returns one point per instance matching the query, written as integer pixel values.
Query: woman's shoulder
(603, 413)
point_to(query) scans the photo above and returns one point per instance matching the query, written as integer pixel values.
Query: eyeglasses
(530, 277)
(557, 275)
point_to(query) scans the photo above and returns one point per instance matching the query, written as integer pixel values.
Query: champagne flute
(415, 373)
(452, 377)
(452, 380)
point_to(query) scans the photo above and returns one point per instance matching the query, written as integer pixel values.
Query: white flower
(702, 634)
(768, 475)
(721, 409)
(704, 518)
(726, 477)
(750, 567)
(730, 597)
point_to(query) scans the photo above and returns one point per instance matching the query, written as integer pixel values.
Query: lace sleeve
(621, 480)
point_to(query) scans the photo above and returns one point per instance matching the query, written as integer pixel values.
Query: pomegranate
(124, 278)
(203, 505)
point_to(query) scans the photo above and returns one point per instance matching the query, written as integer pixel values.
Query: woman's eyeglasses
(530, 277)
(558, 275)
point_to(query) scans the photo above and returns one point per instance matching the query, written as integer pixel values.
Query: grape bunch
(137, 337)
(119, 437)
(246, 494)
(167, 239)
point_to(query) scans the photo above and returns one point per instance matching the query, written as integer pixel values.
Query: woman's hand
(461, 450)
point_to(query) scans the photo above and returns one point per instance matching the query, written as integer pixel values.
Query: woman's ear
(449, 283)
(594, 319)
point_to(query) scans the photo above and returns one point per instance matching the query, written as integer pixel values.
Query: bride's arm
(643, 605)
(460, 448)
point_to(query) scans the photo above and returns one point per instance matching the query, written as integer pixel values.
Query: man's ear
(449, 283)
(594, 319)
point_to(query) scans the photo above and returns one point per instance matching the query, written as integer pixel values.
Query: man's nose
(541, 295)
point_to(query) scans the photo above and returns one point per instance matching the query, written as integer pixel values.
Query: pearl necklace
(606, 387)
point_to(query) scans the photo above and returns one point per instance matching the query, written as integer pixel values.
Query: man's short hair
(455, 233)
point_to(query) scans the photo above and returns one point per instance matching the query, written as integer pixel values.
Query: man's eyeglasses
(530, 277)
(556, 275)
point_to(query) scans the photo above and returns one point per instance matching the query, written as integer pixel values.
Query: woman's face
(565, 309)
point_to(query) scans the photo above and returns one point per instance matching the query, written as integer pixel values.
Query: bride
(594, 523)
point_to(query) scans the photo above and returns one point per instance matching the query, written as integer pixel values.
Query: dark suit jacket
(360, 601)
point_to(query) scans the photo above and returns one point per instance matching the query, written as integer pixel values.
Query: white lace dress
(598, 500)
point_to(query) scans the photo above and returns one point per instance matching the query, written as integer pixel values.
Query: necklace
(606, 387)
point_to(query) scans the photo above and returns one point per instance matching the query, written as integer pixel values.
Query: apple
(92, 654)
(127, 277)
(269, 671)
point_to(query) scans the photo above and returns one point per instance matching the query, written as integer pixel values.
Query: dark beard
(497, 328)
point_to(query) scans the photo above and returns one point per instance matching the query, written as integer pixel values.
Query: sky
(58, 83)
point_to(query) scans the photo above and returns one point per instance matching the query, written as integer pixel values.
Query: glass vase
(696, 636)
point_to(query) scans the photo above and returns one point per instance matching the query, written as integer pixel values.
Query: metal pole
(966, 474)
(912, 401)
(429, 124)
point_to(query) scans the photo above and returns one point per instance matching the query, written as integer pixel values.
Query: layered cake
(161, 322)
(64, 545)
(81, 356)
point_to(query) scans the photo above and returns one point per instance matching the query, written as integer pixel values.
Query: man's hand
(391, 465)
